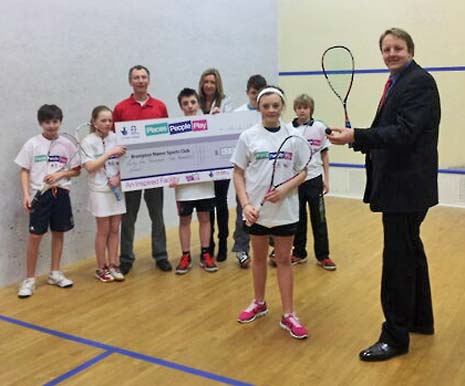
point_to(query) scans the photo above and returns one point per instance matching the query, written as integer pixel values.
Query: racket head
(338, 65)
(291, 158)
(80, 132)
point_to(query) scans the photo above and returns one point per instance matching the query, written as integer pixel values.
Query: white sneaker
(27, 288)
(116, 273)
(243, 259)
(57, 278)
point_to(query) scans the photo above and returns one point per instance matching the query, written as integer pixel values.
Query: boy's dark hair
(257, 82)
(187, 92)
(138, 67)
(49, 112)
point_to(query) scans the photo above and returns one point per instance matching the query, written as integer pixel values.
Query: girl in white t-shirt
(279, 215)
(99, 156)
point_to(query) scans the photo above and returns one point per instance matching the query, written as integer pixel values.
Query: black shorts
(281, 230)
(54, 209)
(186, 208)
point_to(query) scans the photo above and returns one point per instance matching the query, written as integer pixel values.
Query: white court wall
(306, 29)
(76, 54)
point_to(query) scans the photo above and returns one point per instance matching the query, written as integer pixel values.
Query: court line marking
(78, 369)
(129, 353)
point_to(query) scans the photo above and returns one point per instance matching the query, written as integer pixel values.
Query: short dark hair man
(141, 105)
(402, 166)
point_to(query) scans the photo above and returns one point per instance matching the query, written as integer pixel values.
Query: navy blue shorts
(186, 208)
(281, 230)
(52, 209)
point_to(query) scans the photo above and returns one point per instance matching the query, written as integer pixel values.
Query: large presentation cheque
(182, 150)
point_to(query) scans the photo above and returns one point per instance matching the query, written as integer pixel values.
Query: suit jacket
(401, 146)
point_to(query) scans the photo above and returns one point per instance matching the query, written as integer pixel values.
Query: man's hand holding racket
(340, 136)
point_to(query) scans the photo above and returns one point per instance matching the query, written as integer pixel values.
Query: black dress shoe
(380, 352)
(125, 268)
(422, 330)
(164, 265)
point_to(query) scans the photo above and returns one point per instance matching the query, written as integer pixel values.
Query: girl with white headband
(279, 215)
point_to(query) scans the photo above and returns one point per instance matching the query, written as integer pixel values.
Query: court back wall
(77, 54)
(306, 29)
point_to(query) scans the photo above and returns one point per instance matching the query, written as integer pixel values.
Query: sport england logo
(180, 127)
(156, 129)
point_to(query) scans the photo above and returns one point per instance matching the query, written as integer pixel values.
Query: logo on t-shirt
(314, 142)
(287, 155)
(259, 155)
(41, 158)
(57, 158)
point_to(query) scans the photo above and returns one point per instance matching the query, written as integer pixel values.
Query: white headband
(269, 90)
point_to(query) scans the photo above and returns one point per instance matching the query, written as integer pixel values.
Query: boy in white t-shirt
(241, 237)
(316, 185)
(47, 162)
(189, 196)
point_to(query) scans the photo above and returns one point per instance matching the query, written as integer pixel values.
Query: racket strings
(338, 67)
(292, 157)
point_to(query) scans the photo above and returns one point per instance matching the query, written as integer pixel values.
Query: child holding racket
(99, 156)
(316, 185)
(270, 212)
(47, 158)
(199, 196)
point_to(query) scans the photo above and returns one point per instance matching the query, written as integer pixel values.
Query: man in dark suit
(401, 165)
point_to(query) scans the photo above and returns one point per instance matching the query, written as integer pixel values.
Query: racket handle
(35, 200)
(117, 192)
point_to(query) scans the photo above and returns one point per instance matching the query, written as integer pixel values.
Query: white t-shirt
(93, 146)
(225, 105)
(196, 191)
(245, 107)
(254, 153)
(314, 133)
(42, 156)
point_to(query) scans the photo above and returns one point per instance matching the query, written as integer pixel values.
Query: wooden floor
(164, 329)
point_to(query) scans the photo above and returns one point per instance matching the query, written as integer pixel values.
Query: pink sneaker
(292, 324)
(252, 312)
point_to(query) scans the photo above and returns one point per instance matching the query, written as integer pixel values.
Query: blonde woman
(213, 101)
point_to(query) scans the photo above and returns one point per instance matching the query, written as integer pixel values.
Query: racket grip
(117, 192)
(35, 200)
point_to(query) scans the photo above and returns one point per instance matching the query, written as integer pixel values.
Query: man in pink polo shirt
(140, 105)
